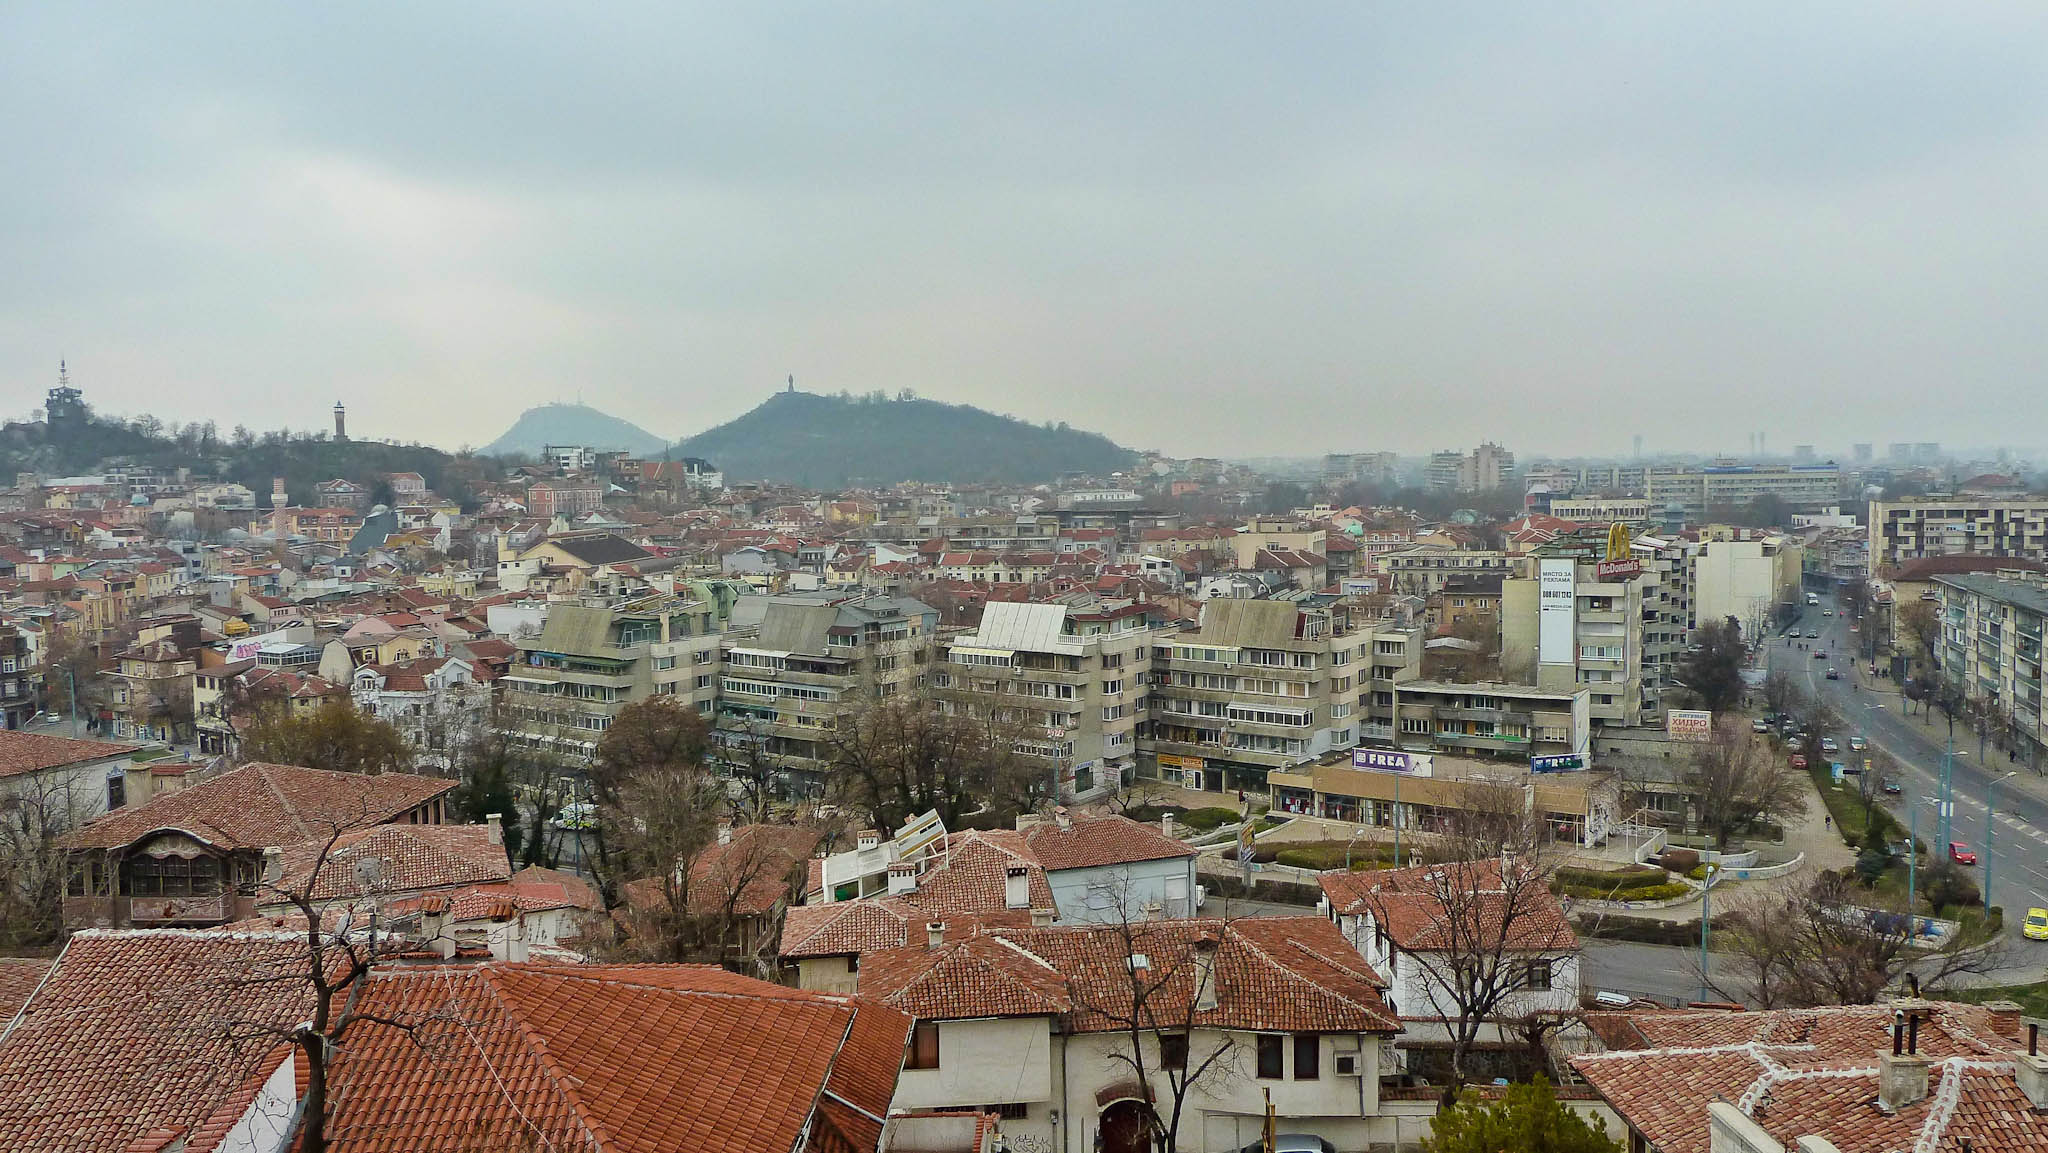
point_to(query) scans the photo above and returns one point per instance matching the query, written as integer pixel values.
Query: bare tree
(1919, 626)
(1491, 921)
(1736, 780)
(35, 812)
(1156, 1009)
(1782, 694)
(909, 753)
(1831, 943)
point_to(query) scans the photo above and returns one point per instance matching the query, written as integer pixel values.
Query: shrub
(1207, 819)
(1643, 930)
(1663, 892)
(1632, 877)
(1947, 884)
(1697, 872)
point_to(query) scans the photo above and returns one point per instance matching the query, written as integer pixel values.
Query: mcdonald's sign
(1620, 563)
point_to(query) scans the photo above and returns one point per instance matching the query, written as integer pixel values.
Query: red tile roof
(22, 753)
(1286, 974)
(18, 978)
(1801, 1072)
(1093, 842)
(1421, 907)
(625, 1058)
(410, 858)
(260, 805)
(129, 1034)
(965, 881)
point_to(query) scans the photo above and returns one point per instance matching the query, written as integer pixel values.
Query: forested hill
(832, 442)
(573, 424)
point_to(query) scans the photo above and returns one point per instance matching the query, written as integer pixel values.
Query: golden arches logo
(1617, 541)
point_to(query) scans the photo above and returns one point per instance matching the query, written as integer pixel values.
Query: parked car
(1292, 1143)
(1759, 725)
(2036, 925)
(1961, 853)
(1798, 760)
(1858, 744)
(574, 817)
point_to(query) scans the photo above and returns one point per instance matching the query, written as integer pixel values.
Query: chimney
(495, 823)
(934, 934)
(2007, 1015)
(434, 928)
(1041, 918)
(1062, 818)
(1016, 887)
(1166, 824)
(869, 839)
(725, 832)
(902, 878)
(273, 865)
(1902, 1073)
(508, 940)
(1204, 951)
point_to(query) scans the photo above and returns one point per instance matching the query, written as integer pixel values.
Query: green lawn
(2033, 999)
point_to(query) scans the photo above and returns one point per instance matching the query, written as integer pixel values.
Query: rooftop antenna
(63, 374)
(792, 382)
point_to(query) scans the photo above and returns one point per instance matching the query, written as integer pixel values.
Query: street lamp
(1347, 848)
(71, 677)
(1991, 830)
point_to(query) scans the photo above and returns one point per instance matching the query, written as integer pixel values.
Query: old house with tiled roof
(1041, 1022)
(60, 779)
(195, 857)
(633, 1058)
(436, 703)
(1932, 1076)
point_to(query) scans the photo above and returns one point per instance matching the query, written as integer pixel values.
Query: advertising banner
(1554, 616)
(1689, 725)
(1391, 761)
(1558, 763)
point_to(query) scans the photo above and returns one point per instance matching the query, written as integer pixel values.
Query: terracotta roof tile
(261, 805)
(410, 858)
(19, 977)
(1408, 903)
(32, 752)
(1092, 842)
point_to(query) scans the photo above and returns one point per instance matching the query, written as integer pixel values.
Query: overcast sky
(1246, 229)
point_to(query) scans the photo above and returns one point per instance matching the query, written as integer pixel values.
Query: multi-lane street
(2017, 857)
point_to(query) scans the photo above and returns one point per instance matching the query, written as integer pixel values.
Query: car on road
(1834, 674)
(1858, 744)
(2035, 927)
(1829, 745)
(1813, 635)
(1893, 787)
(1292, 1143)
(576, 817)
(1827, 612)
(1820, 654)
(1798, 760)
(1961, 853)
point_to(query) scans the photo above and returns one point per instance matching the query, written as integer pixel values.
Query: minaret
(340, 421)
(278, 499)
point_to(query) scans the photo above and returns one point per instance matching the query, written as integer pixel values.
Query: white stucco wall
(1100, 895)
(987, 1062)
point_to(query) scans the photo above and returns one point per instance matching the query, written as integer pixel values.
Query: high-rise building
(1908, 529)
(1861, 453)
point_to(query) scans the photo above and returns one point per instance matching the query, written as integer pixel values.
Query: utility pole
(1706, 927)
(1912, 871)
(1948, 796)
(1991, 831)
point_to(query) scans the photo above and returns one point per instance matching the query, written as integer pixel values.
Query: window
(1173, 1050)
(1308, 1056)
(1270, 1056)
(924, 1046)
(1012, 1111)
(1537, 976)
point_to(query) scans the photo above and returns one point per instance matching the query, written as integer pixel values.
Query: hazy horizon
(1209, 230)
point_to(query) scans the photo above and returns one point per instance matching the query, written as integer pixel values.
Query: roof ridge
(1942, 1109)
(291, 812)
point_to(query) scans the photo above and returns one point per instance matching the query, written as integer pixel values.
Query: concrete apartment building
(1484, 469)
(592, 660)
(1606, 510)
(1257, 686)
(1907, 530)
(1277, 535)
(1588, 632)
(1490, 718)
(1423, 570)
(1080, 675)
(797, 665)
(1747, 575)
(1990, 647)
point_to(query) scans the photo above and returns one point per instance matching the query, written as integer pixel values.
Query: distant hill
(841, 441)
(573, 424)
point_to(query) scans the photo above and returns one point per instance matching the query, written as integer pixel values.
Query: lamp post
(1347, 848)
(71, 677)
(1991, 830)
(1706, 927)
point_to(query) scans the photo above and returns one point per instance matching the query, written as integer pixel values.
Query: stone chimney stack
(2030, 1068)
(1902, 1073)
(934, 934)
(495, 823)
(1166, 824)
(1041, 918)
(725, 832)
(902, 878)
(1062, 818)
(1204, 950)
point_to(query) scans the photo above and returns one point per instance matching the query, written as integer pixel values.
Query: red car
(1960, 853)
(1798, 760)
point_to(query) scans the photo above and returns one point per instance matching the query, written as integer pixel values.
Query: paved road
(2020, 867)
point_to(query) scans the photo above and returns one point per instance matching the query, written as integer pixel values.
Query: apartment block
(1077, 676)
(1911, 529)
(1628, 510)
(797, 665)
(1423, 570)
(592, 660)
(1257, 686)
(1990, 648)
(1750, 577)
(1488, 718)
(1279, 535)
(1483, 469)
(1589, 632)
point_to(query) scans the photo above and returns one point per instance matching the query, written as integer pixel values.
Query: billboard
(244, 649)
(1554, 619)
(1391, 761)
(1558, 763)
(1689, 725)
(918, 834)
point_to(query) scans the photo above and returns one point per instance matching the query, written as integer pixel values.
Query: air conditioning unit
(1347, 1065)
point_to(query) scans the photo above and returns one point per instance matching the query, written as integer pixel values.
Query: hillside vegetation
(839, 441)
